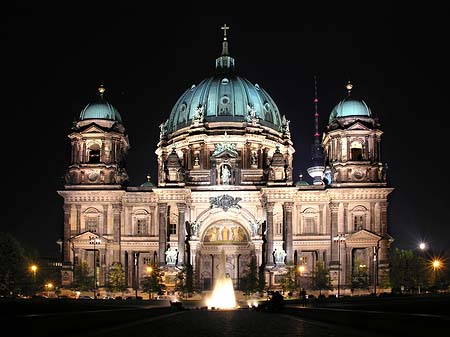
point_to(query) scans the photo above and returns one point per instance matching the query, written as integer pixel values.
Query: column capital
(181, 206)
(334, 206)
(162, 206)
(269, 206)
(288, 206)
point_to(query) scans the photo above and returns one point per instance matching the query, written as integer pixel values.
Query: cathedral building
(225, 184)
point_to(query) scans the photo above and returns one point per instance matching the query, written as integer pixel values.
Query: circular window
(225, 81)
(225, 100)
(267, 106)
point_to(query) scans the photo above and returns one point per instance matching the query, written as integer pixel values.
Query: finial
(224, 28)
(300, 176)
(101, 90)
(349, 87)
(149, 177)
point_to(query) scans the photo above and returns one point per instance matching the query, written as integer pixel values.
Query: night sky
(53, 62)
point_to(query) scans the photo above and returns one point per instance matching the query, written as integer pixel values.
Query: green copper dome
(350, 107)
(224, 97)
(227, 98)
(100, 110)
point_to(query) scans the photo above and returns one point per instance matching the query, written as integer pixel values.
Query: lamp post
(436, 265)
(93, 240)
(136, 273)
(48, 286)
(33, 269)
(422, 248)
(149, 271)
(300, 269)
(339, 238)
(375, 268)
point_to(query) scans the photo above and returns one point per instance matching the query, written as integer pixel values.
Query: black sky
(53, 62)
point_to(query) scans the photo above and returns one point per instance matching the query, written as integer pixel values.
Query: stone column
(117, 209)
(269, 235)
(66, 237)
(78, 219)
(258, 251)
(162, 209)
(152, 224)
(181, 232)
(334, 231)
(288, 239)
(104, 226)
(383, 217)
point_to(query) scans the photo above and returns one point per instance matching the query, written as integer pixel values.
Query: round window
(225, 81)
(225, 100)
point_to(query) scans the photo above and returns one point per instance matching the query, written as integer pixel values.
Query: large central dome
(224, 97)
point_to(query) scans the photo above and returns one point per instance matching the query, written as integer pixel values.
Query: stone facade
(226, 184)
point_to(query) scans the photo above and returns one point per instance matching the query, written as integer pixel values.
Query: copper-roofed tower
(99, 145)
(352, 145)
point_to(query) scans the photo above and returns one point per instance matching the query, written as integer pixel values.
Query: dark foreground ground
(427, 316)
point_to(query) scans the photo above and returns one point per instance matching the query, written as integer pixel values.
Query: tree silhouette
(321, 278)
(116, 278)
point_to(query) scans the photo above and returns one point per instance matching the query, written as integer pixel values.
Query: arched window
(92, 220)
(359, 215)
(94, 154)
(141, 222)
(356, 151)
(309, 219)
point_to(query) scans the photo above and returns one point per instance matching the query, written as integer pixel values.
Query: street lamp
(300, 269)
(149, 271)
(34, 269)
(422, 246)
(436, 265)
(49, 287)
(339, 238)
(136, 272)
(93, 240)
(375, 268)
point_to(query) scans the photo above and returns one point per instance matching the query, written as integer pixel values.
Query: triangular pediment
(363, 237)
(87, 237)
(93, 128)
(358, 126)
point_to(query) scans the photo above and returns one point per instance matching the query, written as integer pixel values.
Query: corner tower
(98, 148)
(352, 145)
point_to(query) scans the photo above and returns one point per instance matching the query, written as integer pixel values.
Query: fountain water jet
(223, 293)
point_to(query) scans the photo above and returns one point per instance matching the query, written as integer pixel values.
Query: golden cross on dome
(225, 27)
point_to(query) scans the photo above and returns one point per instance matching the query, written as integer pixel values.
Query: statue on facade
(255, 227)
(198, 115)
(194, 228)
(279, 255)
(225, 175)
(251, 110)
(171, 256)
(254, 159)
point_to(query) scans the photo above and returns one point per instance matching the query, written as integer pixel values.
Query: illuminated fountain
(223, 293)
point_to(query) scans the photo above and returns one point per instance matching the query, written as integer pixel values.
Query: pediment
(93, 128)
(358, 126)
(363, 237)
(226, 153)
(86, 238)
